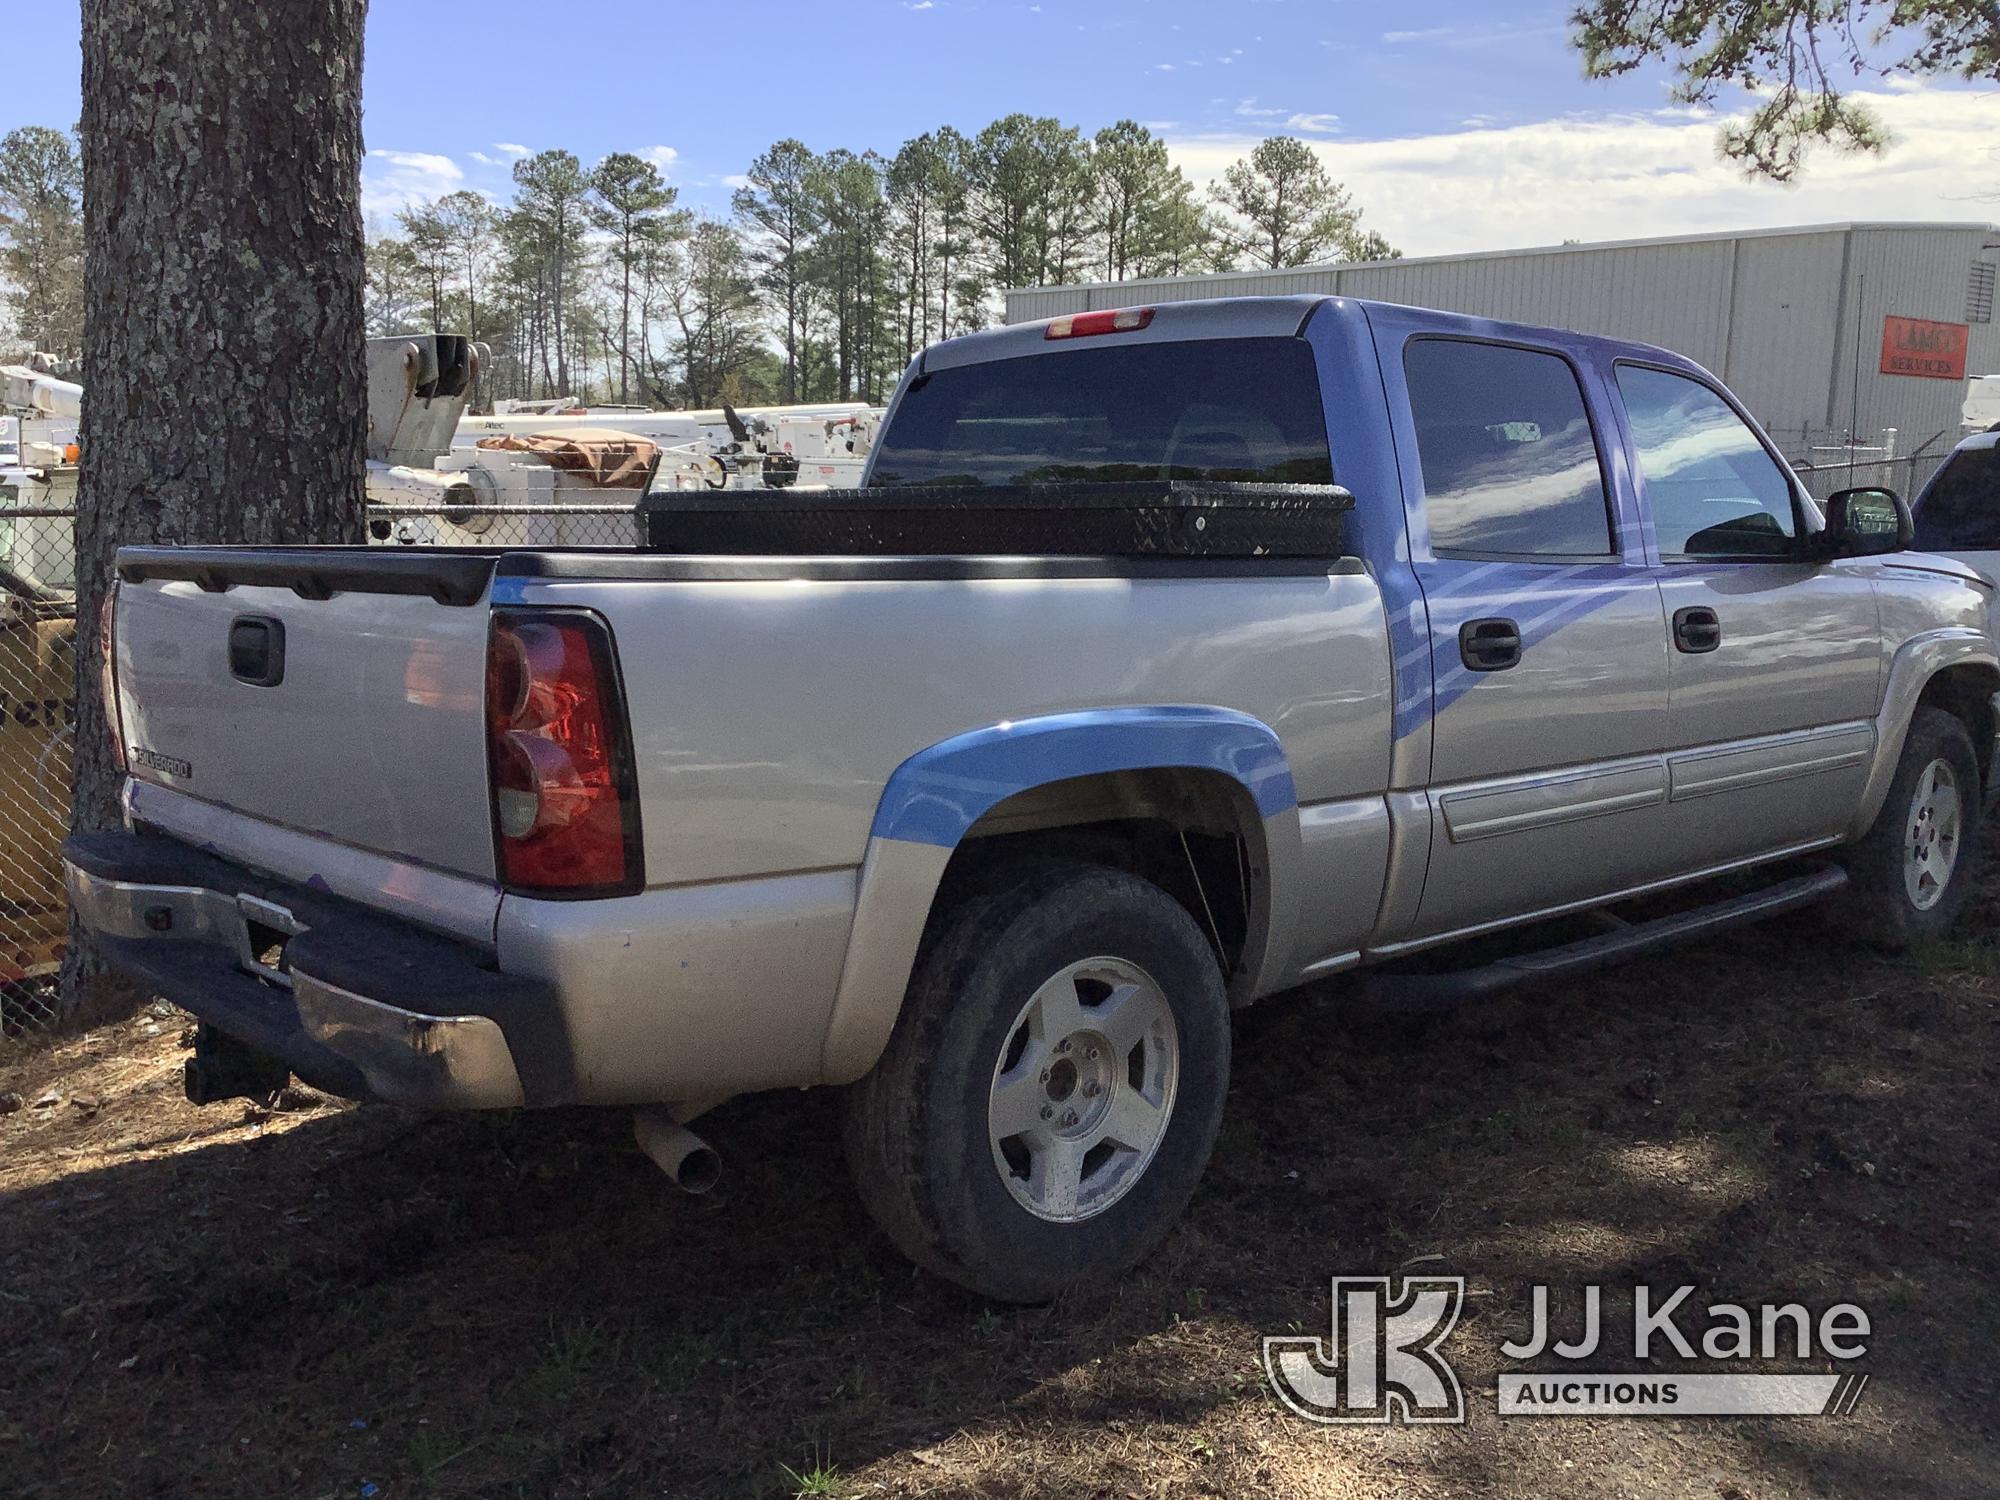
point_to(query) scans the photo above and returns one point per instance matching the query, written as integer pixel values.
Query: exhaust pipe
(684, 1156)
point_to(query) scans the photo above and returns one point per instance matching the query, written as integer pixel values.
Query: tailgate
(373, 734)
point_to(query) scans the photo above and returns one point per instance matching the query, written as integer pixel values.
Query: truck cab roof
(1262, 317)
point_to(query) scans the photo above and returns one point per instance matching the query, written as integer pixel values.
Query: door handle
(1489, 645)
(1697, 629)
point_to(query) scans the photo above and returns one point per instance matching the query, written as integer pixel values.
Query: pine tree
(632, 203)
(547, 225)
(1292, 211)
(41, 237)
(778, 207)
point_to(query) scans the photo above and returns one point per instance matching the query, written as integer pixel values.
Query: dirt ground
(343, 1302)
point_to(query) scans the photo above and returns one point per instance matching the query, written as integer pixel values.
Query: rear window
(1219, 409)
(1507, 452)
(1962, 507)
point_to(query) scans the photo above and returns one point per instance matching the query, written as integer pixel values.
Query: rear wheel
(1053, 1087)
(1910, 873)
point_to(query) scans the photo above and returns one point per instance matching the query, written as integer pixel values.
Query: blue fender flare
(935, 797)
(939, 793)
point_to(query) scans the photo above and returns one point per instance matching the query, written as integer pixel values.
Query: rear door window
(1509, 459)
(1713, 489)
(1215, 409)
(1962, 507)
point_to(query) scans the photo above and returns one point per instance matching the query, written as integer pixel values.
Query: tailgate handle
(257, 650)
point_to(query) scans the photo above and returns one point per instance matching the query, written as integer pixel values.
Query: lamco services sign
(1917, 346)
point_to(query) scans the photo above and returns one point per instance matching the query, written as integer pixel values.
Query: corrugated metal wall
(1784, 325)
(1912, 275)
(1788, 320)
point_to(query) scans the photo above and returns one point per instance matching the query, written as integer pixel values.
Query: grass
(819, 1479)
(208, 1302)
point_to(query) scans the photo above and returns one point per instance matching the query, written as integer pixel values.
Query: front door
(1775, 669)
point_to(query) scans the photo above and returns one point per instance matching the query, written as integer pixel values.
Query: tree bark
(225, 390)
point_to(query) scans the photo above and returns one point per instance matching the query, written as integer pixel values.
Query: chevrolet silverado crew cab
(1169, 657)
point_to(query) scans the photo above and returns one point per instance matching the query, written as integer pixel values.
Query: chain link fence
(37, 728)
(1827, 461)
(555, 525)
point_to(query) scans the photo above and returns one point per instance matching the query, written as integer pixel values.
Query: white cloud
(662, 157)
(1315, 124)
(487, 161)
(392, 181)
(511, 149)
(1163, 67)
(1471, 36)
(1251, 110)
(1608, 177)
(922, 5)
(736, 180)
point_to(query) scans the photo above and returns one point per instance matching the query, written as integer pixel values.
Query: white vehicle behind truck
(1982, 403)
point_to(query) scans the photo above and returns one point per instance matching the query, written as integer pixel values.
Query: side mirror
(1867, 523)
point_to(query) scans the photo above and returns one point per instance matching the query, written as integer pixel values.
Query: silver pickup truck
(1171, 657)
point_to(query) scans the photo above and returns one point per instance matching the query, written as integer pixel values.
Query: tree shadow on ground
(519, 1304)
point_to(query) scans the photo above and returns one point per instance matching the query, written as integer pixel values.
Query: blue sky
(1459, 125)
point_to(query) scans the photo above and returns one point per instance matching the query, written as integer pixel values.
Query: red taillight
(564, 818)
(1112, 320)
(107, 672)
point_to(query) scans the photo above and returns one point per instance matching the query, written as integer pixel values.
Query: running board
(1444, 991)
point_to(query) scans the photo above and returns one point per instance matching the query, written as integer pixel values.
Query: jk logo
(1382, 1363)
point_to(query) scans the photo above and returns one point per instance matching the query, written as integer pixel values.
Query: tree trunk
(225, 389)
(625, 325)
(558, 324)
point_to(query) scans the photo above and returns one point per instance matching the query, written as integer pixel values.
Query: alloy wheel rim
(1931, 835)
(1083, 1090)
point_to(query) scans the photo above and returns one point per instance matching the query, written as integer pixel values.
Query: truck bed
(763, 722)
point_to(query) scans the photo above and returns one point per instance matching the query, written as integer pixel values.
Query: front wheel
(1053, 1087)
(1910, 874)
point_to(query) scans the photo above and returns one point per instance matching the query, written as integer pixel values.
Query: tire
(1001, 1022)
(1890, 902)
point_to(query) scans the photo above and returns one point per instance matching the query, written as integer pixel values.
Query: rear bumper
(366, 1006)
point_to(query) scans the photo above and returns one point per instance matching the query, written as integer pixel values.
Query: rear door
(1775, 674)
(1547, 644)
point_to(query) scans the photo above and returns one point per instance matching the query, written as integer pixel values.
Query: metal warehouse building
(1838, 337)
